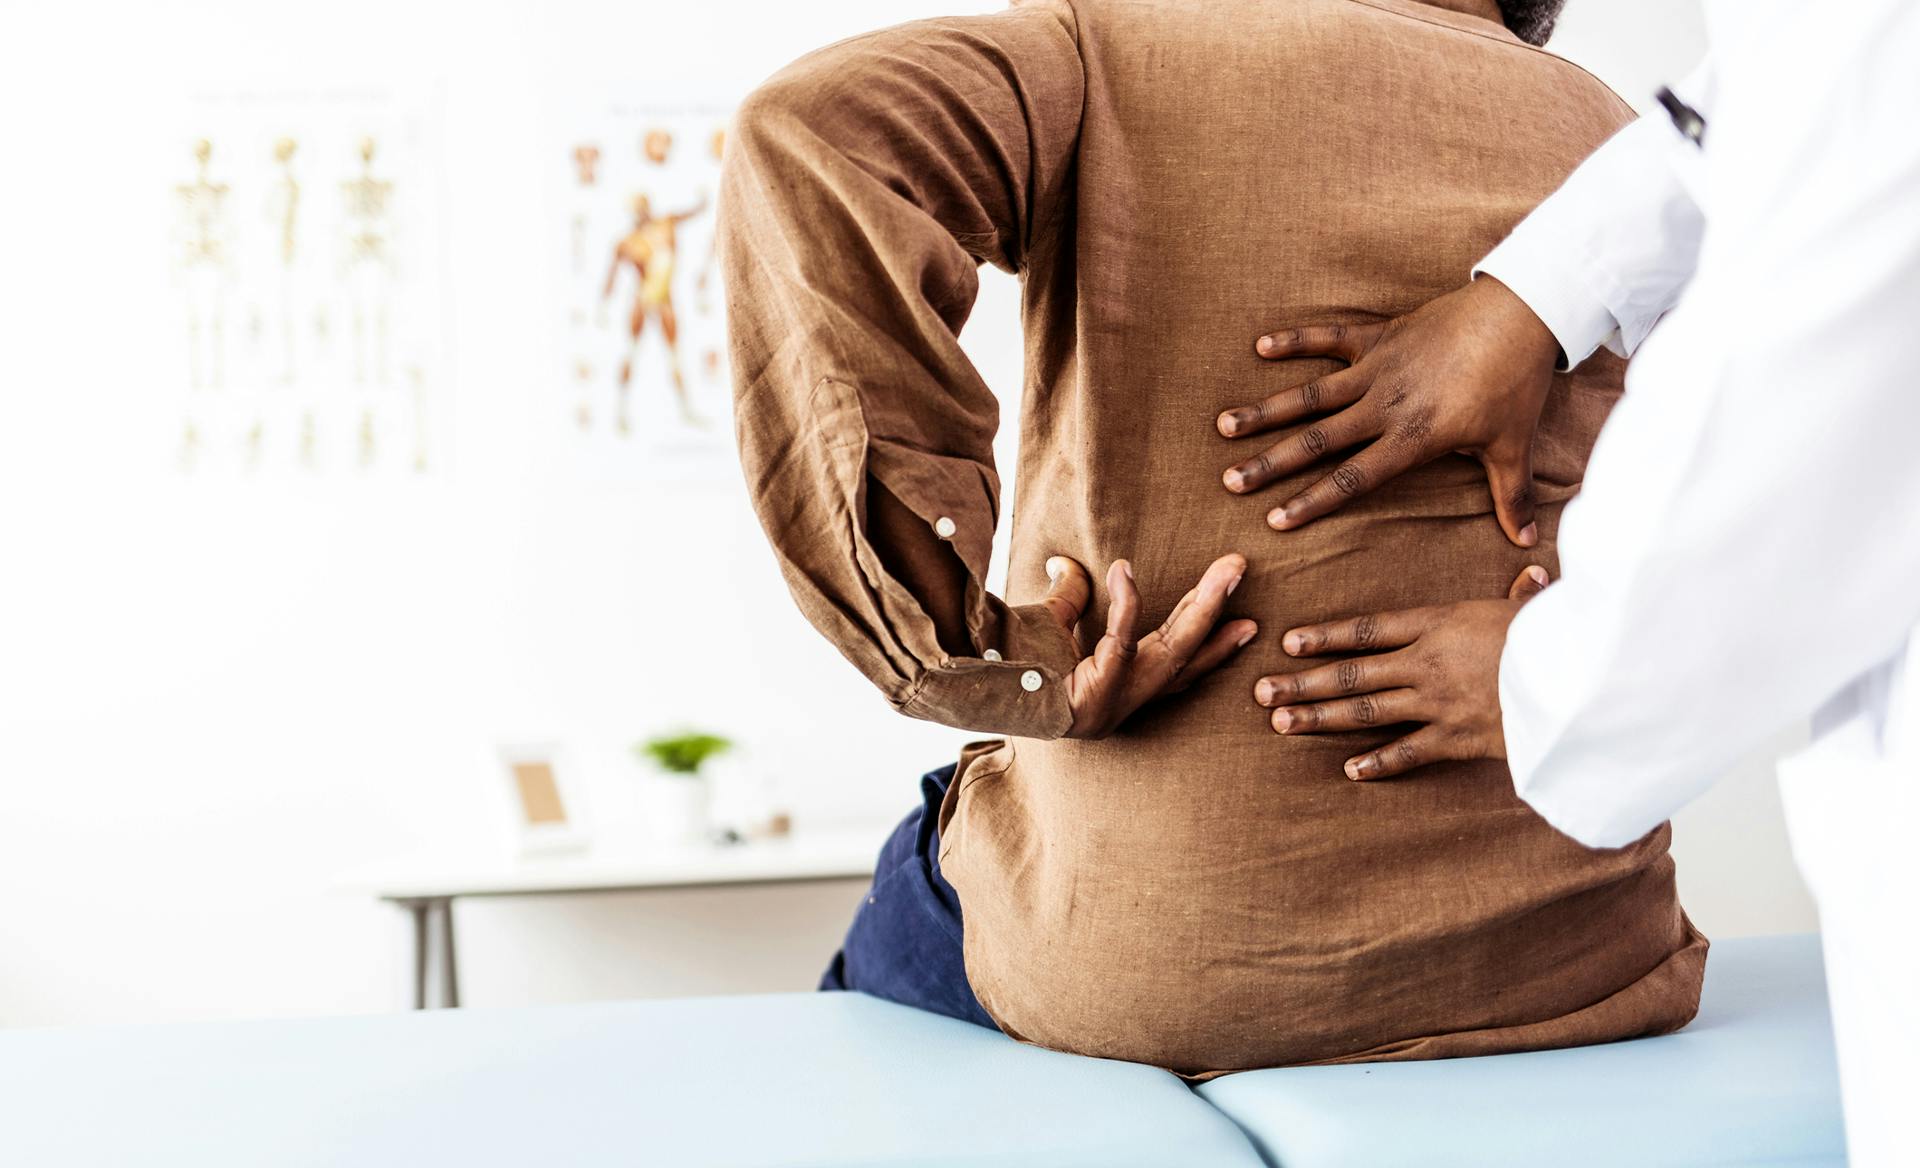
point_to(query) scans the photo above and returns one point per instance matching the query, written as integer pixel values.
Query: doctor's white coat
(1746, 549)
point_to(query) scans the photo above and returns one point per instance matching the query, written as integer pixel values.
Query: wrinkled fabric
(1170, 180)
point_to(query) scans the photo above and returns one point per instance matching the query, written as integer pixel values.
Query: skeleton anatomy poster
(309, 267)
(640, 378)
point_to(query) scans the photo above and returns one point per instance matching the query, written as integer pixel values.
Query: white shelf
(817, 855)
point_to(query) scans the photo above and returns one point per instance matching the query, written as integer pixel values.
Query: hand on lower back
(1126, 671)
(1468, 373)
(1436, 667)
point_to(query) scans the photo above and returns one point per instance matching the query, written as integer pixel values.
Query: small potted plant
(675, 799)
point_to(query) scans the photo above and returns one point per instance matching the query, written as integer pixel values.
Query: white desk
(427, 888)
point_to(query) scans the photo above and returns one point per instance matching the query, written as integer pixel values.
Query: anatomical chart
(309, 274)
(641, 377)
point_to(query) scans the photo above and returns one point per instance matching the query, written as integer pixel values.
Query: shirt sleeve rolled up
(863, 187)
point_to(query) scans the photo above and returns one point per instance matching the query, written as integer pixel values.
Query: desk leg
(449, 978)
(419, 910)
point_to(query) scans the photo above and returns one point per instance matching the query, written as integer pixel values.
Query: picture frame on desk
(545, 806)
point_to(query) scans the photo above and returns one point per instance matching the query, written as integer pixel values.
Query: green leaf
(683, 754)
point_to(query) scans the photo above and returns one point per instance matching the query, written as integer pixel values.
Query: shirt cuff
(1021, 699)
(1017, 687)
(1572, 311)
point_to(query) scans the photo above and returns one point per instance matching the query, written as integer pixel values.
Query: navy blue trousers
(904, 943)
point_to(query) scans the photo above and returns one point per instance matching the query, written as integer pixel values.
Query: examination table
(839, 1079)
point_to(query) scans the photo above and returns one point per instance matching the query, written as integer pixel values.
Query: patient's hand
(1468, 373)
(1443, 671)
(1125, 672)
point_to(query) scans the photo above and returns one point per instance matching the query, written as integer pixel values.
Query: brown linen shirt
(1170, 179)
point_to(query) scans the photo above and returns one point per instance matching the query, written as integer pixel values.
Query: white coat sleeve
(1748, 538)
(1605, 256)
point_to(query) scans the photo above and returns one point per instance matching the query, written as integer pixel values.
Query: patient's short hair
(1531, 20)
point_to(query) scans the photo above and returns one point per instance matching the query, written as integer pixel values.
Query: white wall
(216, 696)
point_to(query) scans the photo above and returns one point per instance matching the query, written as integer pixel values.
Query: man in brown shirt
(1170, 882)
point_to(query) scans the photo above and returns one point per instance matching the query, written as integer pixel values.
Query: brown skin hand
(1126, 671)
(1466, 373)
(1438, 667)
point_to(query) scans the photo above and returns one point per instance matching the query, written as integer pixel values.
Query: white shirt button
(1031, 680)
(944, 527)
(991, 654)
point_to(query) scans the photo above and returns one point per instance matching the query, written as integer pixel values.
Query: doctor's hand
(1466, 373)
(1439, 667)
(1125, 670)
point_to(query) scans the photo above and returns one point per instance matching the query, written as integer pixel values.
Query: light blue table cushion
(753, 1082)
(1751, 1081)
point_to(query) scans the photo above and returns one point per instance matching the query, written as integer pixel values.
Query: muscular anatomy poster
(309, 284)
(639, 377)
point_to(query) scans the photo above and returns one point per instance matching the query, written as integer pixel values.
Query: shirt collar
(1484, 9)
